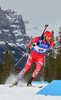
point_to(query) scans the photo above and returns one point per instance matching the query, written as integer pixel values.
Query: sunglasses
(49, 38)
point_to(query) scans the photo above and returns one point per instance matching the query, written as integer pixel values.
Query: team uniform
(37, 53)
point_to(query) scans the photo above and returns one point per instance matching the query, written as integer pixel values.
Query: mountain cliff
(13, 33)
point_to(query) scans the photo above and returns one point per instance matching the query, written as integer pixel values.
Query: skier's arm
(50, 45)
(33, 40)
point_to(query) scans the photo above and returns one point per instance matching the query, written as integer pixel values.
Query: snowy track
(23, 93)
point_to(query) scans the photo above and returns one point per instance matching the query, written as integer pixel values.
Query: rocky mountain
(13, 33)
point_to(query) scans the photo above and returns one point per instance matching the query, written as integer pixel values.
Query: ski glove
(28, 48)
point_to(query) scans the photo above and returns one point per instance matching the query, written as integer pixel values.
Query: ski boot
(15, 83)
(29, 82)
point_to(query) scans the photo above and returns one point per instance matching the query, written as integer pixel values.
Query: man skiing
(43, 44)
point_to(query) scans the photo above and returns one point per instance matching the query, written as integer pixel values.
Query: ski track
(23, 93)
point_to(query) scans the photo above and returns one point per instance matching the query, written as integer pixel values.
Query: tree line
(52, 70)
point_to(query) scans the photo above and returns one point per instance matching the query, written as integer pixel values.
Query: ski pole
(21, 58)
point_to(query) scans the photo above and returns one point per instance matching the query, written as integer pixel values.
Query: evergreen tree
(49, 71)
(1, 68)
(8, 65)
(58, 57)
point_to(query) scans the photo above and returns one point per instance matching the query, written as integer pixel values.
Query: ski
(12, 85)
(26, 86)
(36, 86)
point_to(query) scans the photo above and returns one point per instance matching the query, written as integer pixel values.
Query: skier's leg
(39, 63)
(26, 68)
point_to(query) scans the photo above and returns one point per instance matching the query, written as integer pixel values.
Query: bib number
(40, 50)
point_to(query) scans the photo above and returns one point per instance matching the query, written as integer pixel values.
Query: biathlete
(43, 44)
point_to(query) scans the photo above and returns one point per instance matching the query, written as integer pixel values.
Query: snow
(0, 31)
(16, 21)
(11, 44)
(18, 40)
(7, 30)
(18, 33)
(21, 45)
(8, 16)
(21, 92)
(1, 42)
(13, 25)
(13, 52)
(9, 34)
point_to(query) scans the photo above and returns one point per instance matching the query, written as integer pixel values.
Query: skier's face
(46, 39)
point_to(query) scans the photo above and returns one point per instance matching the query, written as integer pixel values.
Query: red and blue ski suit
(37, 53)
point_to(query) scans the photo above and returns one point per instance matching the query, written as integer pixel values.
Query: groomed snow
(23, 93)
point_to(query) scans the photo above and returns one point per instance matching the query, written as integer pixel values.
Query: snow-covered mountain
(13, 33)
